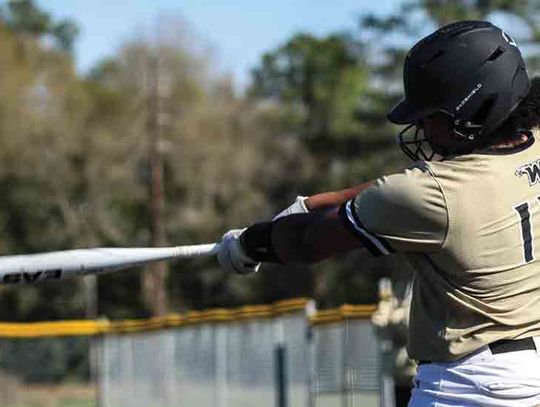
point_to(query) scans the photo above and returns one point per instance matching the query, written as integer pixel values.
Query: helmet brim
(405, 113)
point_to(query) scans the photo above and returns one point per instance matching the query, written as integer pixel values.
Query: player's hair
(527, 114)
(525, 117)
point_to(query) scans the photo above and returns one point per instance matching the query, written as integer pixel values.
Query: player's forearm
(311, 238)
(299, 238)
(334, 198)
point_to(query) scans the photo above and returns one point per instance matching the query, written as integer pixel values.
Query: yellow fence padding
(218, 315)
(344, 312)
(57, 328)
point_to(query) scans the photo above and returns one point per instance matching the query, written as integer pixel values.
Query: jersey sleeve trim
(376, 245)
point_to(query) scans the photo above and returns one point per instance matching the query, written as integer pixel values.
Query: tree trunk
(154, 279)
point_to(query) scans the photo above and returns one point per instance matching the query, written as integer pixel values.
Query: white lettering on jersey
(532, 170)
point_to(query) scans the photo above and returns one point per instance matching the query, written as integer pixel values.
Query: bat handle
(199, 250)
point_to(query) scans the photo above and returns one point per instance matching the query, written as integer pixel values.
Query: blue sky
(239, 30)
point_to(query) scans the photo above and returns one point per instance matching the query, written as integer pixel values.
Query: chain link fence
(255, 356)
(47, 364)
(283, 355)
(347, 359)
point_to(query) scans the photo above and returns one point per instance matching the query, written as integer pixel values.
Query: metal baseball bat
(33, 268)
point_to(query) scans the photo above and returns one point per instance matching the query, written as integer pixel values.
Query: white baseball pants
(481, 379)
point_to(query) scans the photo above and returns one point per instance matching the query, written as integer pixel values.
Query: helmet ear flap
(470, 129)
(485, 109)
(500, 105)
(467, 124)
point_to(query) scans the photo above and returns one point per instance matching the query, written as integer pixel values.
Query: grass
(13, 394)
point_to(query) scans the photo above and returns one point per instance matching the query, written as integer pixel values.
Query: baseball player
(466, 213)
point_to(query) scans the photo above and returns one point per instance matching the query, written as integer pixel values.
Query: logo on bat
(31, 277)
(531, 170)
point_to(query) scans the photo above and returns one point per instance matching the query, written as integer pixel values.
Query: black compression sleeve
(257, 241)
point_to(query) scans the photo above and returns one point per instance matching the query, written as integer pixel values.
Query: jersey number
(526, 235)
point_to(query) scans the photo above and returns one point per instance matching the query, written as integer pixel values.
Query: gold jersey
(470, 227)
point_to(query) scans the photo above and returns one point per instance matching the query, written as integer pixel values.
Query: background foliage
(74, 165)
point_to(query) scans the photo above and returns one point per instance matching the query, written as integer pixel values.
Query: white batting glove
(298, 206)
(232, 256)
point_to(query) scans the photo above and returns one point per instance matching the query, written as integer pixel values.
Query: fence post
(220, 379)
(281, 375)
(280, 357)
(310, 311)
(98, 342)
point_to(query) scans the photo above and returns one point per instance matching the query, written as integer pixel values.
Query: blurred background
(136, 123)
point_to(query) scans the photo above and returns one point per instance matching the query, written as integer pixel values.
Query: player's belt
(509, 345)
(504, 346)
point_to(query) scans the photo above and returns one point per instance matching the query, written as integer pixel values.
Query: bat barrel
(57, 265)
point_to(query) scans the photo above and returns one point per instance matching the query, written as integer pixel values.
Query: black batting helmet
(469, 70)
